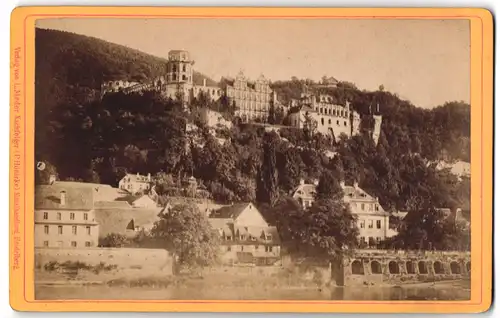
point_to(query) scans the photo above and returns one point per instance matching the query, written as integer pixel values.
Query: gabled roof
(78, 196)
(230, 212)
(119, 221)
(136, 178)
(307, 189)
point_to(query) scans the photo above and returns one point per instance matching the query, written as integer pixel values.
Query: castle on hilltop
(252, 99)
(328, 118)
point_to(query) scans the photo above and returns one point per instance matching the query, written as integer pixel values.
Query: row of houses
(78, 215)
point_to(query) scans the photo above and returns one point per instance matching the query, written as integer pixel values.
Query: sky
(424, 61)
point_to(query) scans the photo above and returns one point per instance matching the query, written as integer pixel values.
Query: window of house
(46, 243)
(329, 121)
(376, 207)
(87, 244)
(379, 224)
(46, 229)
(253, 238)
(87, 228)
(345, 123)
(85, 216)
(228, 238)
(73, 230)
(174, 68)
(72, 216)
(242, 237)
(338, 123)
(184, 67)
(73, 244)
(174, 77)
(60, 229)
(268, 237)
(59, 216)
(45, 215)
(370, 224)
(184, 77)
(362, 206)
(362, 240)
(362, 224)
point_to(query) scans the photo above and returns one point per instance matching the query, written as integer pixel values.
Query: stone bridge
(389, 267)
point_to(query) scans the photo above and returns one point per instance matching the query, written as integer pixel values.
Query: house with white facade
(135, 183)
(373, 220)
(245, 235)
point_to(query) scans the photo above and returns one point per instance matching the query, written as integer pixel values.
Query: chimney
(149, 177)
(52, 179)
(204, 82)
(63, 198)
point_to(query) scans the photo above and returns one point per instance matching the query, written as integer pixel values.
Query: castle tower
(377, 125)
(179, 75)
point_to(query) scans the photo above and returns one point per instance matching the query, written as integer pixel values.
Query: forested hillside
(70, 68)
(439, 133)
(98, 141)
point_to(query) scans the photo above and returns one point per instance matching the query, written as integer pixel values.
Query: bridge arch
(376, 267)
(455, 268)
(438, 267)
(393, 267)
(410, 267)
(357, 268)
(422, 268)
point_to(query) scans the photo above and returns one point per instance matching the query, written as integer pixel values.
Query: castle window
(345, 123)
(322, 121)
(184, 77)
(379, 224)
(174, 77)
(329, 121)
(184, 68)
(174, 68)
(338, 123)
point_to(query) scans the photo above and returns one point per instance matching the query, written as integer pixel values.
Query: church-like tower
(377, 117)
(179, 75)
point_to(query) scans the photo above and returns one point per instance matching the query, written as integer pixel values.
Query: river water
(447, 292)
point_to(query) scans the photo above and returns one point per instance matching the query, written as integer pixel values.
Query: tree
(114, 240)
(431, 229)
(44, 173)
(268, 176)
(187, 233)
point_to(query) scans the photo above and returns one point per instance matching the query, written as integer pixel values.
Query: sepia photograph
(252, 159)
